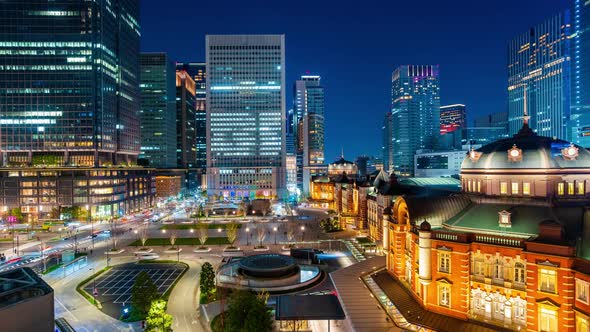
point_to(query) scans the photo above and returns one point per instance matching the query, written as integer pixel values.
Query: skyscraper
(539, 66)
(415, 113)
(69, 81)
(246, 116)
(452, 117)
(309, 110)
(580, 116)
(158, 110)
(197, 70)
(186, 139)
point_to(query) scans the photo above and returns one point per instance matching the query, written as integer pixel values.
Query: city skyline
(377, 59)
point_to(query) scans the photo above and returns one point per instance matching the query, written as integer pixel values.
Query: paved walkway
(363, 312)
(183, 301)
(416, 314)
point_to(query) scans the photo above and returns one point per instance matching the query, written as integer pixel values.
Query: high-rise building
(498, 119)
(415, 113)
(452, 117)
(539, 75)
(580, 73)
(157, 115)
(197, 71)
(70, 96)
(61, 95)
(309, 111)
(186, 139)
(246, 116)
(387, 148)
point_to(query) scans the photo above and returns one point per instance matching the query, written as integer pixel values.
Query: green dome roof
(536, 152)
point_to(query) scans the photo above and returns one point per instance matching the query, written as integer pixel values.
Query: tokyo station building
(512, 249)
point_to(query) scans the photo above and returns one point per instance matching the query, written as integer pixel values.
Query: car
(147, 256)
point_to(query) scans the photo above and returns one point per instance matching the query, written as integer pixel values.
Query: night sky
(356, 45)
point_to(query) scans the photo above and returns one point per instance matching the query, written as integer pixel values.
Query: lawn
(183, 241)
(195, 226)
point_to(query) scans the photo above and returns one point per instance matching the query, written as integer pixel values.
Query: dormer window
(504, 219)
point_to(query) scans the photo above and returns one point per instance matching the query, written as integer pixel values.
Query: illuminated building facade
(246, 116)
(415, 111)
(62, 93)
(433, 164)
(198, 72)
(539, 74)
(309, 112)
(158, 110)
(452, 117)
(512, 250)
(168, 186)
(387, 147)
(581, 73)
(186, 138)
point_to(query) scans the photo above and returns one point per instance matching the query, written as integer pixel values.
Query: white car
(147, 256)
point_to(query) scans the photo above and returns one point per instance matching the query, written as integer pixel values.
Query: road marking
(61, 304)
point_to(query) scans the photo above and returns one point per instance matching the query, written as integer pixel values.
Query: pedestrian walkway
(414, 313)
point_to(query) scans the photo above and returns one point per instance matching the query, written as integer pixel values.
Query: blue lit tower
(539, 66)
(246, 116)
(580, 116)
(69, 81)
(415, 111)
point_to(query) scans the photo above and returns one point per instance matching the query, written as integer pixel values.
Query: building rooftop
(20, 285)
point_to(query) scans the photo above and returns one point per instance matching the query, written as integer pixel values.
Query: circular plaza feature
(268, 266)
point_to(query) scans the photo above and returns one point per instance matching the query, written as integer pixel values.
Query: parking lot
(114, 286)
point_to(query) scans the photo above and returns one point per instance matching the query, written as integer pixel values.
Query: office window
(444, 295)
(570, 188)
(582, 291)
(526, 188)
(444, 262)
(514, 188)
(560, 189)
(503, 188)
(581, 189)
(547, 320)
(547, 280)
(519, 273)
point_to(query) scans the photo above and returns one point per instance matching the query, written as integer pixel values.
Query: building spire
(342, 153)
(525, 130)
(526, 116)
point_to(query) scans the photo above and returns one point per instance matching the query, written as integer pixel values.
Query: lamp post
(89, 214)
(274, 229)
(302, 233)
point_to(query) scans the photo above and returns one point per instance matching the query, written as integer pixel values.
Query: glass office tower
(246, 116)
(387, 148)
(197, 70)
(580, 116)
(158, 110)
(415, 112)
(309, 110)
(186, 103)
(539, 66)
(69, 82)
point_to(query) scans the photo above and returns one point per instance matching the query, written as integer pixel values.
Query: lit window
(469, 185)
(514, 188)
(582, 324)
(526, 188)
(478, 267)
(478, 186)
(519, 273)
(570, 188)
(547, 320)
(581, 189)
(444, 262)
(582, 291)
(503, 188)
(547, 280)
(560, 189)
(498, 269)
(444, 295)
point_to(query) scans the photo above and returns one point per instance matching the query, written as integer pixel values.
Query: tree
(16, 212)
(203, 234)
(172, 235)
(246, 312)
(207, 280)
(291, 232)
(330, 225)
(232, 232)
(261, 234)
(143, 292)
(143, 235)
(157, 318)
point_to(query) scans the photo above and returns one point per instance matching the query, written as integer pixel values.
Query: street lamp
(89, 213)
(275, 230)
(247, 233)
(302, 233)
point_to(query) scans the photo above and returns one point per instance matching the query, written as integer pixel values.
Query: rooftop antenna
(342, 153)
(526, 116)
